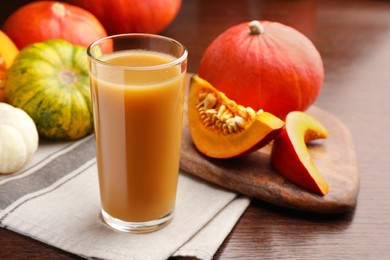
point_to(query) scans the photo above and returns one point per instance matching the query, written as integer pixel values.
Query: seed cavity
(229, 118)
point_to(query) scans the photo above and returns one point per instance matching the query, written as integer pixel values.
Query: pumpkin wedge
(291, 157)
(221, 128)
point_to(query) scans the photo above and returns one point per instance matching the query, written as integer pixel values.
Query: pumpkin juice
(138, 122)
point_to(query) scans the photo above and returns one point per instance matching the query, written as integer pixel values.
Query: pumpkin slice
(291, 157)
(220, 128)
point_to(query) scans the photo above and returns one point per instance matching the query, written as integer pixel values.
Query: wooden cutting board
(254, 176)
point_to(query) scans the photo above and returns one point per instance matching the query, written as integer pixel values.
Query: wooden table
(353, 38)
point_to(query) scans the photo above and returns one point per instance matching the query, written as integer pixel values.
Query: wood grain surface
(254, 176)
(353, 38)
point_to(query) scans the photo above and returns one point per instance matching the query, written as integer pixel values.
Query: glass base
(137, 227)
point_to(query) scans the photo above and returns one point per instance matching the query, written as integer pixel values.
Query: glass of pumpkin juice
(137, 86)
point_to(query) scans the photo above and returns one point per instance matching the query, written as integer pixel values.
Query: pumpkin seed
(211, 112)
(207, 121)
(251, 112)
(239, 121)
(221, 110)
(230, 121)
(225, 128)
(228, 118)
(210, 101)
(225, 116)
(259, 111)
(202, 96)
(242, 112)
(214, 118)
(231, 105)
(231, 129)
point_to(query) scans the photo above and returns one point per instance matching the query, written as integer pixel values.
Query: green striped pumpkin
(49, 80)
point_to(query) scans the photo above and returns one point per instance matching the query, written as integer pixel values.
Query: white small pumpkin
(18, 138)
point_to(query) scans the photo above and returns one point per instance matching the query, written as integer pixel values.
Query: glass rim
(176, 61)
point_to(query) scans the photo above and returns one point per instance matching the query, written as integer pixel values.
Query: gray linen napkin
(55, 199)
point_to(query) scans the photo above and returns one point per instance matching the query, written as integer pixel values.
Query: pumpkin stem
(58, 9)
(256, 27)
(68, 77)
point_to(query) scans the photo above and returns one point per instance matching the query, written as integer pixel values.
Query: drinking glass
(137, 86)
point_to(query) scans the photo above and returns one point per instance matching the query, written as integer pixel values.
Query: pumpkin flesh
(291, 157)
(218, 140)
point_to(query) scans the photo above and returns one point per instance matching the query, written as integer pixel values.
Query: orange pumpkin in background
(123, 16)
(8, 52)
(43, 20)
(264, 65)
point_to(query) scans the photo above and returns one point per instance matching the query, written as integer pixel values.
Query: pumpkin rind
(60, 104)
(256, 133)
(18, 138)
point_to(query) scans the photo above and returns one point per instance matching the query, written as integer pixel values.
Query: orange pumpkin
(122, 16)
(8, 52)
(264, 65)
(43, 20)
